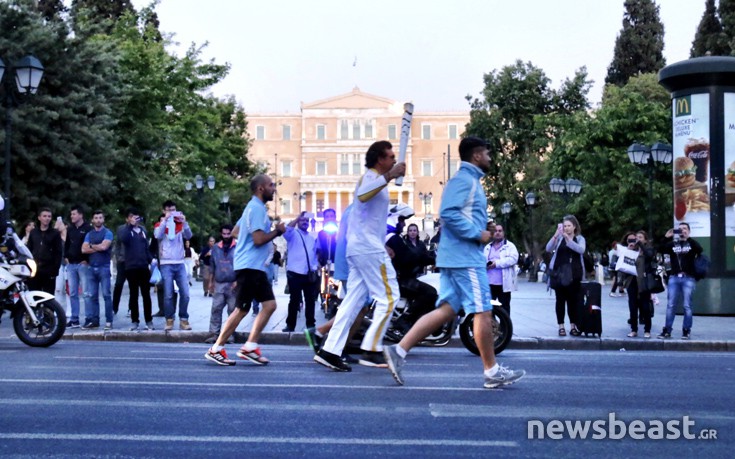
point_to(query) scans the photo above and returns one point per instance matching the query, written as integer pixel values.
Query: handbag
(312, 277)
(626, 261)
(561, 276)
(654, 283)
(701, 266)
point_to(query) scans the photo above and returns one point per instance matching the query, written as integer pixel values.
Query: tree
(518, 114)
(726, 10)
(709, 37)
(593, 148)
(640, 44)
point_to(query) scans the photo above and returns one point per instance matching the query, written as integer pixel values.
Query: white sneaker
(504, 377)
(395, 362)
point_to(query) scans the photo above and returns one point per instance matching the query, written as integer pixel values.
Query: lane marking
(282, 440)
(236, 385)
(168, 359)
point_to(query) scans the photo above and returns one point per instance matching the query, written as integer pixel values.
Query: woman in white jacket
(502, 259)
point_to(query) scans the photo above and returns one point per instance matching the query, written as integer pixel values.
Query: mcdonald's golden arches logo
(683, 106)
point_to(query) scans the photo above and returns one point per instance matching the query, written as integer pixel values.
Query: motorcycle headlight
(32, 264)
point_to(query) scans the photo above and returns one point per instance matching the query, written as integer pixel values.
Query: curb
(525, 343)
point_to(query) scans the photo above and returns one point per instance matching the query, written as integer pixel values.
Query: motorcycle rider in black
(408, 261)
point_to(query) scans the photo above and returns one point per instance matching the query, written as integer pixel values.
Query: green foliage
(118, 120)
(726, 11)
(519, 114)
(709, 37)
(593, 149)
(639, 46)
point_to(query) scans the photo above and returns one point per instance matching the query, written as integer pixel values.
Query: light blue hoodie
(463, 216)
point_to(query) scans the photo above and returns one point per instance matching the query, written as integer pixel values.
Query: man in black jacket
(682, 250)
(45, 244)
(132, 236)
(76, 262)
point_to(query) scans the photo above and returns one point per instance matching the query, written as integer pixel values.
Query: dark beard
(227, 242)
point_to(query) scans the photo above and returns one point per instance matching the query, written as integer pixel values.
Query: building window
(344, 130)
(355, 129)
(454, 165)
(262, 166)
(259, 132)
(286, 168)
(426, 131)
(321, 168)
(319, 206)
(392, 132)
(344, 165)
(321, 132)
(452, 131)
(426, 169)
(285, 206)
(356, 165)
(286, 132)
(369, 130)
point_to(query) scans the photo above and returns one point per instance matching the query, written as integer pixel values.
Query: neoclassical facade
(318, 155)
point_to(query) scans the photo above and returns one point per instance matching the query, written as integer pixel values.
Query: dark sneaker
(134, 326)
(72, 324)
(664, 335)
(88, 325)
(159, 314)
(395, 363)
(149, 326)
(347, 358)
(685, 334)
(373, 359)
(504, 377)
(220, 358)
(254, 356)
(314, 342)
(108, 325)
(331, 361)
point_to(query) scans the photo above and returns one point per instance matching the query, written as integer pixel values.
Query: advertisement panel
(691, 163)
(729, 158)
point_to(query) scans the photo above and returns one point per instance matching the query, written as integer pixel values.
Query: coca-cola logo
(698, 154)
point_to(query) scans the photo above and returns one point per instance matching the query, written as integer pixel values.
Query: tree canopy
(710, 38)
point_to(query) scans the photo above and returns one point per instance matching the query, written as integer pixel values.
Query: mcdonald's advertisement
(691, 163)
(729, 158)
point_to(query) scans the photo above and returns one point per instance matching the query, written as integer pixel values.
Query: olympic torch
(405, 134)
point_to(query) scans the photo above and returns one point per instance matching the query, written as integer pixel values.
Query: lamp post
(641, 155)
(226, 204)
(299, 197)
(426, 198)
(565, 187)
(531, 203)
(505, 210)
(199, 183)
(27, 73)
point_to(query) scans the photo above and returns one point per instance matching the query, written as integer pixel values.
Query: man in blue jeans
(170, 233)
(98, 245)
(76, 261)
(682, 250)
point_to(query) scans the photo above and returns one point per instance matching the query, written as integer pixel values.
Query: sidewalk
(532, 311)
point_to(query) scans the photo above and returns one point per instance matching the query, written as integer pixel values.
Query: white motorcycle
(38, 319)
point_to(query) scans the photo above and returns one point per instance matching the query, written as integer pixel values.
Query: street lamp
(426, 198)
(199, 183)
(505, 210)
(565, 188)
(299, 197)
(531, 203)
(226, 204)
(27, 72)
(641, 155)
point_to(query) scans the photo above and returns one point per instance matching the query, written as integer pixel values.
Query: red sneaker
(220, 357)
(254, 356)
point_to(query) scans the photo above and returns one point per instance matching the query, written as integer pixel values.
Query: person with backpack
(613, 255)
(683, 252)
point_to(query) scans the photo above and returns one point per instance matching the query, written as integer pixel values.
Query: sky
(430, 52)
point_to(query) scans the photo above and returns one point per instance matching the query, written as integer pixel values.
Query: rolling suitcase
(589, 315)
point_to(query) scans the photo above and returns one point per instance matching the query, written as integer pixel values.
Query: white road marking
(393, 442)
(168, 359)
(235, 385)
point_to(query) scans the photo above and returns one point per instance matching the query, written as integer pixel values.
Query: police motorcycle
(38, 319)
(502, 324)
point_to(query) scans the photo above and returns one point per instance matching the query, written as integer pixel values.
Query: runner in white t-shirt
(370, 268)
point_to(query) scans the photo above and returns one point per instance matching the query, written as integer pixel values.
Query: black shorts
(252, 284)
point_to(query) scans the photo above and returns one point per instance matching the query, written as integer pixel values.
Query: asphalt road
(101, 399)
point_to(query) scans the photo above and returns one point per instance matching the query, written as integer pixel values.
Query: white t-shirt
(367, 224)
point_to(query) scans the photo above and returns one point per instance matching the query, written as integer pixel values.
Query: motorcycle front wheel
(51, 326)
(502, 331)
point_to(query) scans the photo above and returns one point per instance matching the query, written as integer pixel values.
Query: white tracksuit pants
(371, 274)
